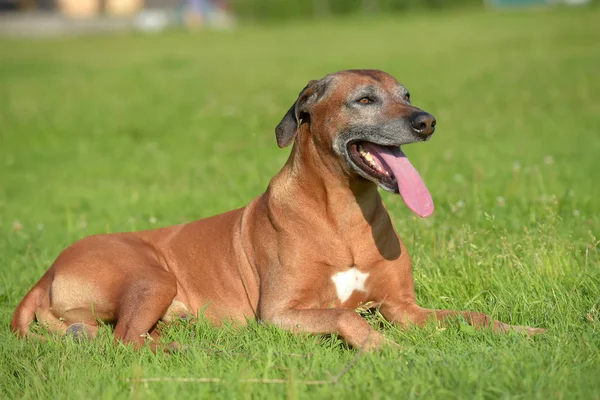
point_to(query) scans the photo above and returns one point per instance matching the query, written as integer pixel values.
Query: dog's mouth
(389, 167)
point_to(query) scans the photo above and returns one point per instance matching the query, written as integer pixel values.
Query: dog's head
(361, 118)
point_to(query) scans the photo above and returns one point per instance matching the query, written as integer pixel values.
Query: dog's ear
(286, 131)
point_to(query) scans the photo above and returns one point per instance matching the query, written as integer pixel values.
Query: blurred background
(43, 17)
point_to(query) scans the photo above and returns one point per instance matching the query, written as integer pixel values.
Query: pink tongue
(410, 185)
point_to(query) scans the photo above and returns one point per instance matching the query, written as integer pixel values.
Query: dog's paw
(378, 342)
(533, 331)
(526, 330)
(78, 332)
(391, 344)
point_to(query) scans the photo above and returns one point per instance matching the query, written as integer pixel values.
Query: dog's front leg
(344, 322)
(413, 314)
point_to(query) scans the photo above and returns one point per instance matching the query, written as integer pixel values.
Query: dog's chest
(349, 282)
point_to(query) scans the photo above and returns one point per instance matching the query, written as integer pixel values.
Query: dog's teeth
(370, 159)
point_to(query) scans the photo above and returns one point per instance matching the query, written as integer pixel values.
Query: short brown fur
(272, 260)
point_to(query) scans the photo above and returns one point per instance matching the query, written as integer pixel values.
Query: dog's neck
(324, 183)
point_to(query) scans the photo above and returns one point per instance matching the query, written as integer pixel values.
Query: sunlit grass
(132, 132)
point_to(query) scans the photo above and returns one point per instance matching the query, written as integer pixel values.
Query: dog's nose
(423, 123)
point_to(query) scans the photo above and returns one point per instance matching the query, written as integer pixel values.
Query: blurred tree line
(271, 10)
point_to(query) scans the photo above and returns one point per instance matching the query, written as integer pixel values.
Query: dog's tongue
(410, 185)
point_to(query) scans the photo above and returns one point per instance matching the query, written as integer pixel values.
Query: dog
(304, 255)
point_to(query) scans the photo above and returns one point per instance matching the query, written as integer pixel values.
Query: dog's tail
(25, 313)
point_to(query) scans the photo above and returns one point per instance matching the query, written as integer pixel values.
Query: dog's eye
(407, 97)
(365, 100)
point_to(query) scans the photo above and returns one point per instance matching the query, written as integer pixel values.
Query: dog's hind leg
(142, 306)
(48, 321)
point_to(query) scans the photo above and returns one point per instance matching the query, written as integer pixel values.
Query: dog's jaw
(388, 167)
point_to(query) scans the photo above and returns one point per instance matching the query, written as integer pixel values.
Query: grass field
(107, 134)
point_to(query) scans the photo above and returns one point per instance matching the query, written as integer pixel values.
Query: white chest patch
(349, 281)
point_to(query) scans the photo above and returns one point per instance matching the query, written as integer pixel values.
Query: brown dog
(317, 244)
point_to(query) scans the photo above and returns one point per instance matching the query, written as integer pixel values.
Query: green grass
(117, 133)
